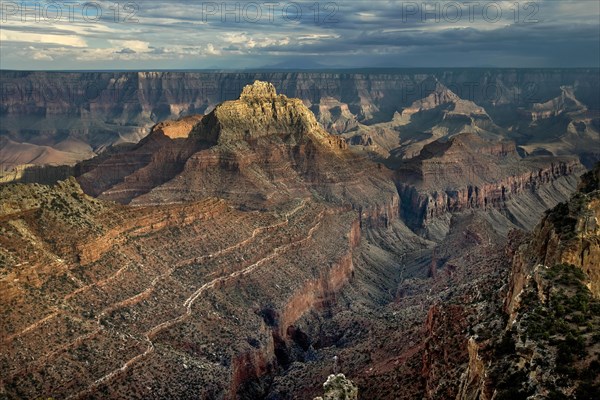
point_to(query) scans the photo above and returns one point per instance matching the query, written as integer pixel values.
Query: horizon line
(275, 69)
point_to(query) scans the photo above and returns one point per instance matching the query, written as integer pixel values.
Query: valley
(234, 252)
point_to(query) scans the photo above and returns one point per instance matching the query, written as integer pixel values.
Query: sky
(158, 35)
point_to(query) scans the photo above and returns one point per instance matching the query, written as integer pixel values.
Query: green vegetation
(564, 215)
(561, 217)
(590, 181)
(565, 330)
(338, 387)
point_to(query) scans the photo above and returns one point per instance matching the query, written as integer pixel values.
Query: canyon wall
(318, 294)
(567, 234)
(421, 207)
(160, 95)
(103, 108)
(553, 277)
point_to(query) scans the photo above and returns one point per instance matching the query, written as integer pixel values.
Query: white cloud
(210, 50)
(317, 36)
(136, 45)
(40, 55)
(27, 37)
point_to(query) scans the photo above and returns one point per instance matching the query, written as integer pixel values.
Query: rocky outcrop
(565, 103)
(472, 381)
(260, 112)
(338, 387)
(544, 349)
(334, 115)
(568, 234)
(440, 96)
(176, 129)
(146, 222)
(255, 151)
(125, 173)
(441, 352)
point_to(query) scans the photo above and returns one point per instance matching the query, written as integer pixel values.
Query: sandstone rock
(255, 151)
(177, 129)
(570, 234)
(554, 264)
(260, 112)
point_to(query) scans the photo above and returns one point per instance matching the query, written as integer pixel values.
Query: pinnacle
(258, 89)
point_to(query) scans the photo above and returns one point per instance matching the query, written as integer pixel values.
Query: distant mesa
(441, 95)
(390, 115)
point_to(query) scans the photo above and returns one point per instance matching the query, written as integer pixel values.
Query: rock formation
(254, 151)
(552, 309)
(246, 248)
(553, 110)
(468, 172)
(184, 299)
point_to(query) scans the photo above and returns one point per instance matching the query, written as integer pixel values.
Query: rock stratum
(548, 347)
(82, 269)
(64, 117)
(234, 253)
(256, 151)
(467, 172)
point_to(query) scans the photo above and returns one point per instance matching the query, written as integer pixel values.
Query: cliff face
(441, 96)
(260, 113)
(552, 293)
(441, 353)
(209, 286)
(467, 172)
(567, 234)
(180, 128)
(565, 103)
(163, 95)
(287, 339)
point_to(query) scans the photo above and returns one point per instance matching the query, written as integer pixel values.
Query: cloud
(210, 49)
(177, 34)
(134, 45)
(126, 51)
(40, 55)
(7, 35)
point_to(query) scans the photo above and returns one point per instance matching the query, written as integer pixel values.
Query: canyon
(235, 250)
(55, 118)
